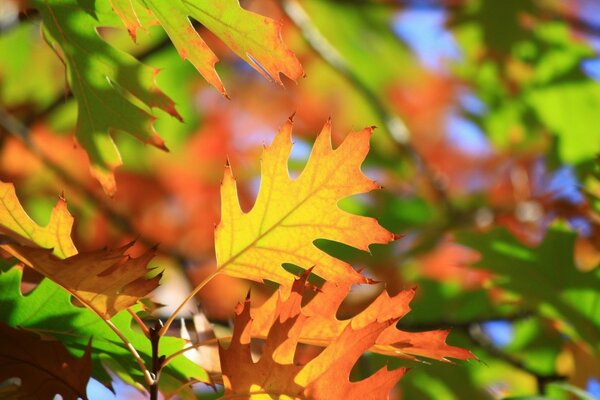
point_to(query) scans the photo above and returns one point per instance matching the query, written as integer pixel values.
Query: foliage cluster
(486, 226)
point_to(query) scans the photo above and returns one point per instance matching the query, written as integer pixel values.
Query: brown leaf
(44, 367)
(107, 281)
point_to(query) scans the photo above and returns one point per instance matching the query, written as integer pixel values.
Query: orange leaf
(321, 326)
(325, 376)
(290, 214)
(44, 367)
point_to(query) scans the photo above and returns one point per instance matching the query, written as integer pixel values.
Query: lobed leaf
(15, 223)
(106, 281)
(114, 91)
(253, 37)
(290, 214)
(321, 326)
(48, 310)
(325, 376)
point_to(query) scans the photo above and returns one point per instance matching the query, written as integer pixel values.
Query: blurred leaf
(545, 277)
(31, 57)
(527, 70)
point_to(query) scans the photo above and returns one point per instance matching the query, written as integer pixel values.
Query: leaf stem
(139, 321)
(206, 342)
(149, 379)
(171, 318)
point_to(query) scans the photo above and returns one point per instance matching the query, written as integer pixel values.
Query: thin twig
(139, 321)
(157, 359)
(171, 318)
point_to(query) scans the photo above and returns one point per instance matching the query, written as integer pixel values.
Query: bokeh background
(487, 146)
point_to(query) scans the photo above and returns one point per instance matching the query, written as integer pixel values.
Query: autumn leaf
(325, 376)
(114, 91)
(15, 223)
(107, 281)
(290, 214)
(253, 37)
(321, 326)
(44, 367)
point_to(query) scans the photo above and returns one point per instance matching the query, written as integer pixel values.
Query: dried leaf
(107, 281)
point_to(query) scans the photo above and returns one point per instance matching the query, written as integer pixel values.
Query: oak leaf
(253, 37)
(44, 367)
(321, 326)
(114, 91)
(290, 214)
(15, 222)
(106, 281)
(325, 376)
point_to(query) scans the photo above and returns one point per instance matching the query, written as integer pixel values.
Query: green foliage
(544, 277)
(115, 92)
(48, 309)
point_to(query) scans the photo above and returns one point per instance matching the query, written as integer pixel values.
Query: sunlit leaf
(290, 214)
(114, 91)
(254, 38)
(325, 376)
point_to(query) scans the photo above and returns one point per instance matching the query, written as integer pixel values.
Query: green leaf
(114, 91)
(545, 277)
(255, 38)
(47, 309)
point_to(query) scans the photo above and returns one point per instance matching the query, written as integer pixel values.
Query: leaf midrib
(285, 216)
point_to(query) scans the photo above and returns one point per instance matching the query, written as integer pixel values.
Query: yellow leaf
(15, 223)
(290, 214)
